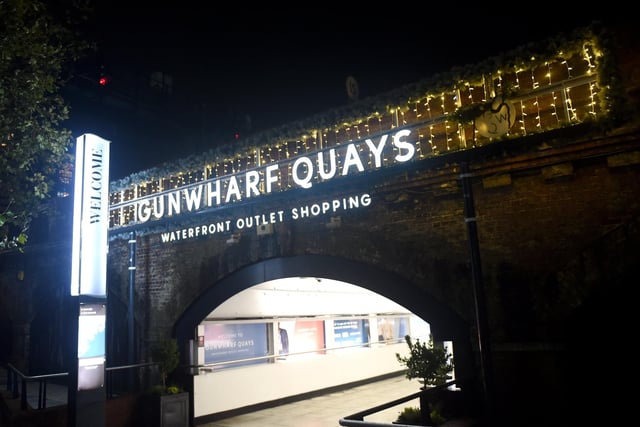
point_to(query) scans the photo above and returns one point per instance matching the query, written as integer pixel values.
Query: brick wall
(542, 218)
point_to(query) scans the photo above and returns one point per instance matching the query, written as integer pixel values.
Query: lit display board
(90, 217)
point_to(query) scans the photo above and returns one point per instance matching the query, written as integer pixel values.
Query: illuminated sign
(304, 171)
(90, 217)
(451, 116)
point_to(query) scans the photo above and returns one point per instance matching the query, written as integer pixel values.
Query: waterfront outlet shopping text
(330, 207)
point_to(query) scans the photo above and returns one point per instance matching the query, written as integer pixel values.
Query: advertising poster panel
(225, 342)
(348, 332)
(308, 336)
(91, 346)
(392, 329)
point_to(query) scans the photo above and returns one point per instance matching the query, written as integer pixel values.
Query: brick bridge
(544, 149)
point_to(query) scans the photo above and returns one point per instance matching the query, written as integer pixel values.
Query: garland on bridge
(400, 100)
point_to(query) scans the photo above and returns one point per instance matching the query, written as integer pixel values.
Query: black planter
(425, 408)
(173, 410)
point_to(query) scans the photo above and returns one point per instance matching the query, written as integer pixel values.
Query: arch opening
(325, 305)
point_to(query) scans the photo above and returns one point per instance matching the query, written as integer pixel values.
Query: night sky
(260, 75)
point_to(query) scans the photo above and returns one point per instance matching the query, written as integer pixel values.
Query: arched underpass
(341, 289)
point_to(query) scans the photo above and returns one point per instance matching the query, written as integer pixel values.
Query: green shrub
(436, 417)
(430, 365)
(409, 415)
(166, 355)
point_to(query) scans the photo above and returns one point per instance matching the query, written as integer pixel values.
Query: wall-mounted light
(264, 229)
(334, 222)
(233, 239)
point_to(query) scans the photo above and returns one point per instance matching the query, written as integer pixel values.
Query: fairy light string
(435, 108)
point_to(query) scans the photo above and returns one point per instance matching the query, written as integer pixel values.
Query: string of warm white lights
(440, 132)
(554, 97)
(460, 131)
(523, 113)
(592, 95)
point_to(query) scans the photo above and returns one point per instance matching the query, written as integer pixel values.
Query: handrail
(357, 419)
(136, 365)
(17, 382)
(13, 374)
(35, 377)
(211, 366)
(111, 370)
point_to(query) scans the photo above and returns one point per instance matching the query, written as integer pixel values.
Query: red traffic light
(103, 81)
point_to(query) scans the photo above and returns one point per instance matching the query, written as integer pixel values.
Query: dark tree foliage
(37, 51)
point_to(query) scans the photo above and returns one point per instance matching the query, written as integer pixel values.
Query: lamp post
(482, 327)
(130, 316)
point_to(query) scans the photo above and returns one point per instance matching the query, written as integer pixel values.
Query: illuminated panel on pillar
(90, 217)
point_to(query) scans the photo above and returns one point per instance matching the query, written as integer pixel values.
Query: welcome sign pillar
(86, 403)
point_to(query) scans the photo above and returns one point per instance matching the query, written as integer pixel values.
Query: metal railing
(127, 379)
(357, 419)
(130, 380)
(211, 367)
(17, 383)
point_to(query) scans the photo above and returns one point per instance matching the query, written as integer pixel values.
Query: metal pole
(478, 293)
(132, 281)
(72, 310)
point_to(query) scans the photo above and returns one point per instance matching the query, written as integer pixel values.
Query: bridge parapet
(526, 92)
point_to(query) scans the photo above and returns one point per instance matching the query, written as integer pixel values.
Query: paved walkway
(326, 410)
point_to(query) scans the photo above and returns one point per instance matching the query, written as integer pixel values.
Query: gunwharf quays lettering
(305, 170)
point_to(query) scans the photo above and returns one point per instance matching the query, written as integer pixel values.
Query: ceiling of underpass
(304, 296)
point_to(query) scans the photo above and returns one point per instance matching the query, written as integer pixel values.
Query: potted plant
(171, 401)
(430, 365)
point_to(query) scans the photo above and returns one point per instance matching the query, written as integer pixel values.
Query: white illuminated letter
(213, 192)
(174, 203)
(271, 176)
(332, 164)
(306, 181)
(253, 179)
(403, 145)
(193, 198)
(158, 207)
(144, 212)
(233, 190)
(351, 159)
(377, 151)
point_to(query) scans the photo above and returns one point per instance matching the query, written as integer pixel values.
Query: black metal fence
(34, 389)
